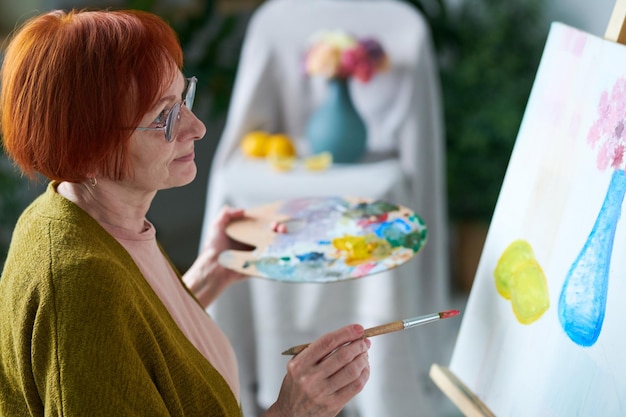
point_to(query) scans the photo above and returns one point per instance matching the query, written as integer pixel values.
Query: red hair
(74, 82)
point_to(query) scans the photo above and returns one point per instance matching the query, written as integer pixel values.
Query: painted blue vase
(582, 302)
(336, 126)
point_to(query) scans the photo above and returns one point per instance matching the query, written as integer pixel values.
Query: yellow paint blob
(520, 278)
(515, 254)
(529, 295)
(359, 249)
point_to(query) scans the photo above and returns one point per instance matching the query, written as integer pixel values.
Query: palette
(327, 239)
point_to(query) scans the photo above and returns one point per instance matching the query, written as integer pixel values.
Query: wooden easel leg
(616, 30)
(466, 401)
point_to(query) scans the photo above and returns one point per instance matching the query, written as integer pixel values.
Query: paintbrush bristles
(448, 314)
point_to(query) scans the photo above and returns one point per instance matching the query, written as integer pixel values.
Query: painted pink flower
(608, 133)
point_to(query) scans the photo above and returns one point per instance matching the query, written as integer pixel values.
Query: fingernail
(368, 343)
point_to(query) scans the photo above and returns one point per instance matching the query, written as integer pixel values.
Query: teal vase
(336, 126)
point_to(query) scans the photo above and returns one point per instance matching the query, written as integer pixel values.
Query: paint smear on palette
(520, 279)
(338, 240)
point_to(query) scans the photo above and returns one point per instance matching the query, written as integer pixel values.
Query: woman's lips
(185, 158)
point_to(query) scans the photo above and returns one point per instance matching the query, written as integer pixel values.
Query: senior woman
(95, 319)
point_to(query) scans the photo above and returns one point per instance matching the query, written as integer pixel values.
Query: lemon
(280, 146)
(282, 163)
(255, 144)
(318, 162)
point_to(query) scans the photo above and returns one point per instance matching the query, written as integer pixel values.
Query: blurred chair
(404, 165)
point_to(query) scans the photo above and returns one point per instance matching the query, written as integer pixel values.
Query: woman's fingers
(329, 342)
(350, 378)
(218, 241)
(348, 391)
(338, 358)
(326, 375)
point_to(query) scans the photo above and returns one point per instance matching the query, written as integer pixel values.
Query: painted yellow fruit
(255, 144)
(520, 278)
(280, 146)
(318, 162)
(513, 256)
(529, 294)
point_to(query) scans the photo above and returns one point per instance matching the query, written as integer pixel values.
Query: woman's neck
(110, 203)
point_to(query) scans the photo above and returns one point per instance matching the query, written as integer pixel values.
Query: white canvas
(563, 355)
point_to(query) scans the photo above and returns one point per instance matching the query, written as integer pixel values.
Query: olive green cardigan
(83, 334)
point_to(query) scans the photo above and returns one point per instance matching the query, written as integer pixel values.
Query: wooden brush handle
(372, 331)
(384, 328)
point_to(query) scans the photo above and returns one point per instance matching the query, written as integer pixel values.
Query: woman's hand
(206, 278)
(325, 376)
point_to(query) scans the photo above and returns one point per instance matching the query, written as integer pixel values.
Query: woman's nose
(190, 126)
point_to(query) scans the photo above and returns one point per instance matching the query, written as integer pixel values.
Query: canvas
(542, 334)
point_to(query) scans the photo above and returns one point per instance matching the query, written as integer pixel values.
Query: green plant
(488, 65)
(488, 52)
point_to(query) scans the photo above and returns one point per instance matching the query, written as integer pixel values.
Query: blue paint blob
(399, 232)
(311, 256)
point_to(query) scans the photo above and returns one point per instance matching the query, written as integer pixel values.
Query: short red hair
(74, 82)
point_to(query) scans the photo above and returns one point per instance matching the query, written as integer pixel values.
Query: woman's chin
(184, 178)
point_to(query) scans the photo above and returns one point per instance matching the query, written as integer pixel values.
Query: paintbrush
(390, 327)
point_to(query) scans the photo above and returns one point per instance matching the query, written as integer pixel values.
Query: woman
(95, 319)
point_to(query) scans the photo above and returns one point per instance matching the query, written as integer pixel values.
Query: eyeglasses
(171, 125)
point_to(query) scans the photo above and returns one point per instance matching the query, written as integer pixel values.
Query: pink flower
(608, 133)
(339, 55)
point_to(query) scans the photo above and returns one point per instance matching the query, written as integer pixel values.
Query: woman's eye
(160, 119)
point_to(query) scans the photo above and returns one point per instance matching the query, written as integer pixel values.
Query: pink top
(194, 322)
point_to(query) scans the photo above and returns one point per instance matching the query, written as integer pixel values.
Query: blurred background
(488, 52)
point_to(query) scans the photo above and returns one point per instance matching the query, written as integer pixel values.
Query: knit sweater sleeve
(95, 354)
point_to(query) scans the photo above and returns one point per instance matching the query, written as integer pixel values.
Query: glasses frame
(170, 126)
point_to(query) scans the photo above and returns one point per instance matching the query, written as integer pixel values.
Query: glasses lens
(191, 92)
(172, 123)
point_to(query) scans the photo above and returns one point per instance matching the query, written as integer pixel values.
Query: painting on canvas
(543, 332)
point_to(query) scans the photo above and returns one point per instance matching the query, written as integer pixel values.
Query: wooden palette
(327, 239)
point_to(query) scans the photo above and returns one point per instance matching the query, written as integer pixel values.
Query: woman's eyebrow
(164, 100)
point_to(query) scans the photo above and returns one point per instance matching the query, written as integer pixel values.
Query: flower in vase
(337, 54)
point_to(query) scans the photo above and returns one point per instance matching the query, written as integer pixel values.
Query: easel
(461, 396)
